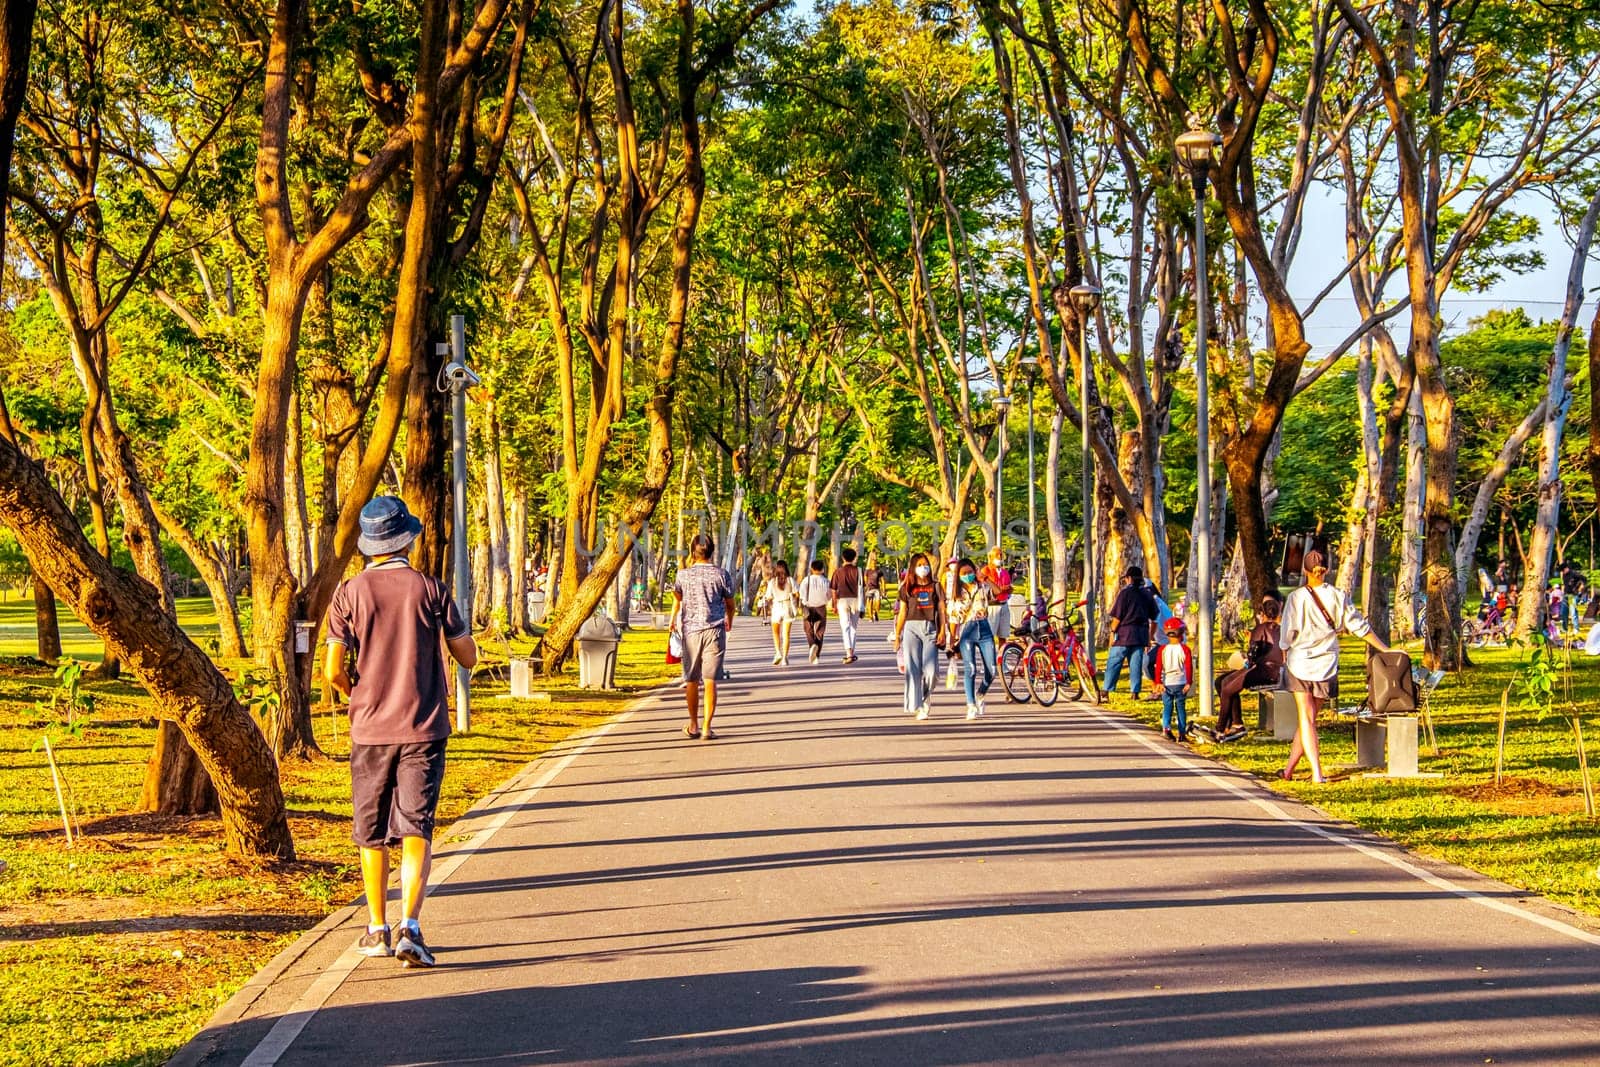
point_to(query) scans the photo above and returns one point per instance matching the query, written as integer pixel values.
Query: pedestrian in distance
(814, 596)
(395, 623)
(1313, 618)
(997, 576)
(872, 587)
(1131, 615)
(702, 615)
(1261, 665)
(1175, 671)
(972, 635)
(918, 623)
(782, 597)
(844, 592)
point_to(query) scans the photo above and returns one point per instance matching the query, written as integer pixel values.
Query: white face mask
(924, 571)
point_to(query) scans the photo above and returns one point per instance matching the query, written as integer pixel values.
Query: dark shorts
(395, 790)
(1328, 689)
(702, 654)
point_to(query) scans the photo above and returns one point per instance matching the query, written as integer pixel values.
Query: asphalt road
(831, 882)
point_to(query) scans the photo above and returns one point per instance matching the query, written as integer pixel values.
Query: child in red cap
(1175, 671)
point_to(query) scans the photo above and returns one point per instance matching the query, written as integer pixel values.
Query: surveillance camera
(461, 374)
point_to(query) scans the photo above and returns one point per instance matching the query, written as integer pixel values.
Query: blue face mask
(969, 578)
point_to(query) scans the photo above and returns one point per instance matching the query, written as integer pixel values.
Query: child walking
(1175, 668)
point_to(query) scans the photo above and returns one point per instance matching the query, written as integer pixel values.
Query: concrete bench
(1276, 712)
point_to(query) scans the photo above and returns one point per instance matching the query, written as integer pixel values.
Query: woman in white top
(971, 633)
(1313, 618)
(783, 602)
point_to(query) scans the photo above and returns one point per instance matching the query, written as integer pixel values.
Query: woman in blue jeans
(969, 624)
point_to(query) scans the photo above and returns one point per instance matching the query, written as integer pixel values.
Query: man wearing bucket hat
(392, 620)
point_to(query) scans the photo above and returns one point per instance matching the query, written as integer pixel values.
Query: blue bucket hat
(387, 526)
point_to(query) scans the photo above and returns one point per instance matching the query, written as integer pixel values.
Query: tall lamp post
(1030, 368)
(1086, 299)
(1197, 149)
(1002, 408)
(458, 378)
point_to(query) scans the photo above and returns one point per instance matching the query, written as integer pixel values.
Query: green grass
(1531, 832)
(17, 634)
(117, 950)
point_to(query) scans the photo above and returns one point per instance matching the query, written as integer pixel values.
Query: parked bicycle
(1048, 659)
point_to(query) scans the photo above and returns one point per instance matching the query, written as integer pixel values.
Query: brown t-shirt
(846, 582)
(392, 618)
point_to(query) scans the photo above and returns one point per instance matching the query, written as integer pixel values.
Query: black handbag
(1391, 690)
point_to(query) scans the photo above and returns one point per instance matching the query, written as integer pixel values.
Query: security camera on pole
(1197, 149)
(456, 379)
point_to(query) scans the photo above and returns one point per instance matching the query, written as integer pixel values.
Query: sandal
(1286, 776)
(708, 735)
(693, 735)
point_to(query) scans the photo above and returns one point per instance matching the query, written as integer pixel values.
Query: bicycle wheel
(1088, 681)
(1071, 679)
(1041, 673)
(1013, 675)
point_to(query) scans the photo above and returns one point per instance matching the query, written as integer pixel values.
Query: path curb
(220, 1027)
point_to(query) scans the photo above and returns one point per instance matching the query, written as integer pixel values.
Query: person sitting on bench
(1263, 666)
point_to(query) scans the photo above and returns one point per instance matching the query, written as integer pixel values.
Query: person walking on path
(872, 588)
(997, 576)
(702, 614)
(1175, 672)
(1313, 618)
(782, 598)
(972, 635)
(1262, 665)
(918, 622)
(814, 596)
(393, 620)
(1131, 615)
(844, 591)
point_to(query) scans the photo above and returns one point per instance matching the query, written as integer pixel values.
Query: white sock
(377, 929)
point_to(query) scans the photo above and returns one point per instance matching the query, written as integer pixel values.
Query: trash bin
(537, 605)
(597, 643)
(1018, 607)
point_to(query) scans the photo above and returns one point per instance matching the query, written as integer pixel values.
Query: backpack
(1391, 690)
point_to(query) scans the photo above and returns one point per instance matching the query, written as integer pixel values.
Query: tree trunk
(1052, 510)
(1409, 581)
(499, 585)
(1353, 544)
(175, 781)
(296, 522)
(517, 561)
(1467, 549)
(47, 628)
(126, 613)
(427, 480)
(1558, 398)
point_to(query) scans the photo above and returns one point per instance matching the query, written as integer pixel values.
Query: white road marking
(293, 1022)
(1271, 808)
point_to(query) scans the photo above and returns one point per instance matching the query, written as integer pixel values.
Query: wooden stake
(55, 776)
(1500, 745)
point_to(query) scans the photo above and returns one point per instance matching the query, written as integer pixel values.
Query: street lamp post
(1197, 149)
(1086, 298)
(1002, 407)
(1030, 367)
(458, 379)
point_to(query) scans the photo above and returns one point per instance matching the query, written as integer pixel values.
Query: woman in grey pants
(918, 622)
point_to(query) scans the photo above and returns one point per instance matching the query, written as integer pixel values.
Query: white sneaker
(813, 655)
(922, 713)
(777, 658)
(972, 712)
(980, 707)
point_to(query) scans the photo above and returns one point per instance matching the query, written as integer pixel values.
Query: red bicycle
(1039, 665)
(1060, 661)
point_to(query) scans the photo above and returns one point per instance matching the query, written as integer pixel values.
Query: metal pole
(1033, 510)
(1202, 405)
(999, 482)
(458, 461)
(1090, 578)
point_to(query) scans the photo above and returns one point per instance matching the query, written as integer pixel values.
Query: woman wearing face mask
(919, 620)
(972, 633)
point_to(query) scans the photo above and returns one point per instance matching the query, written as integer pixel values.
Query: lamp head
(1086, 297)
(1197, 146)
(1002, 403)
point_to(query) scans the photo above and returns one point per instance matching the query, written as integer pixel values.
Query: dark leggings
(1232, 685)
